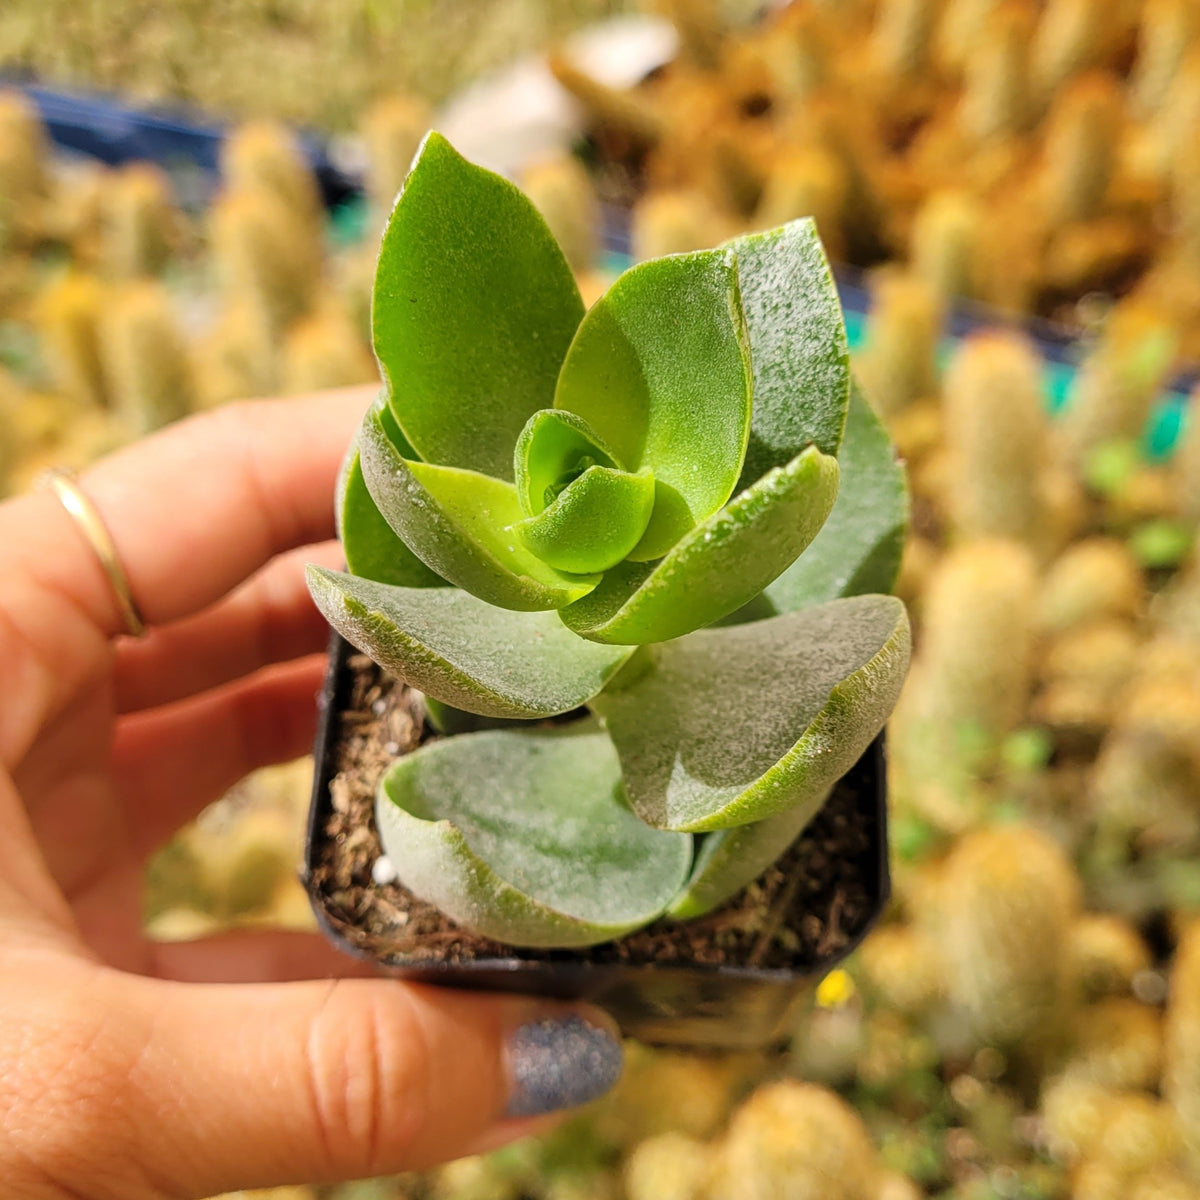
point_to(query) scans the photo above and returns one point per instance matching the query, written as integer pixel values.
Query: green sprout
(674, 510)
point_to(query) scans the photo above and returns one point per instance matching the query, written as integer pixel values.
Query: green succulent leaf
(858, 550)
(522, 837)
(718, 566)
(735, 725)
(463, 651)
(728, 860)
(798, 343)
(372, 550)
(474, 307)
(554, 449)
(594, 522)
(660, 369)
(460, 524)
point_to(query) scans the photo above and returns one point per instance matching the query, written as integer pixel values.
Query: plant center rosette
(674, 511)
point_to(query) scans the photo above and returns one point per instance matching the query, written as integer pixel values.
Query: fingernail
(560, 1062)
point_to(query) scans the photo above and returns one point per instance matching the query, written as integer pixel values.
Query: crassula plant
(670, 516)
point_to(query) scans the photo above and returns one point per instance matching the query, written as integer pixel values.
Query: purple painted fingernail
(560, 1062)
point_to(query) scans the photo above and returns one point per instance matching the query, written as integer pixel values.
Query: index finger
(193, 511)
(197, 508)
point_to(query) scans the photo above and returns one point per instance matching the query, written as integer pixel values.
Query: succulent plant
(546, 510)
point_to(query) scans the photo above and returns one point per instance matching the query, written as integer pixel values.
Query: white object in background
(521, 116)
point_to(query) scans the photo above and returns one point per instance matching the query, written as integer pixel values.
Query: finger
(319, 1082)
(270, 619)
(170, 762)
(270, 956)
(193, 511)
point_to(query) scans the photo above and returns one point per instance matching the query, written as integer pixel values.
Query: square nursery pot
(727, 980)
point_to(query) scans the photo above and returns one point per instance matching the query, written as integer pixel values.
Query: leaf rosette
(641, 509)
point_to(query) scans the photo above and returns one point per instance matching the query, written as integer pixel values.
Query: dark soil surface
(801, 912)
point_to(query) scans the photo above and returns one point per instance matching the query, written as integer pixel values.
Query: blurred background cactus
(1025, 1023)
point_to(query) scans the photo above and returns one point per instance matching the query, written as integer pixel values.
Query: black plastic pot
(700, 1005)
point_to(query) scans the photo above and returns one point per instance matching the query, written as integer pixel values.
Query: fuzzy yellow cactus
(996, 433)
(947, 235)
(562, 191)
(1069, 39)
(1117, 1043)
(795, 1141)
(674, 222)
(670, 1166)
(239, 358)
(245, 864)
(1181, 1079)
(1080, 151)
(145, 359)
(22, 170)
(1084, 673)
(669, 1092)
(266, 155)
(959, 29)
(1009, 897)
(1075, 1112)
(996, 101)
(1094, 578)
(903, 37)
(806, 181)
(1118, 380)
(1168, 28)
(325, 350)
(392, 130)
(1106, 953)
(68, 318)
(1163, 1183)
(970, 682)
(900, 965)
(898, 364)
(139, 222)
(1147, 776)
(266, 254)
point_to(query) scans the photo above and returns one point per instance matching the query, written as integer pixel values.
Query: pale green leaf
(459, 523)
(464, 652)
(473, 310)
(594, 523)
(522, 837)
(798, 343)
(858, 550)
(729, 859)
(735, 725)
(554, 448)
(717, 567)
(660, 370)
(371, 548)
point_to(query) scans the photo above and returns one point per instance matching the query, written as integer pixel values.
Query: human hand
(122, 1074)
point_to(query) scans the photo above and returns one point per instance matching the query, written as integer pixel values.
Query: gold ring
(89, 522)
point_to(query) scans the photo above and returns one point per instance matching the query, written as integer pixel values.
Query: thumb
(248, 1086)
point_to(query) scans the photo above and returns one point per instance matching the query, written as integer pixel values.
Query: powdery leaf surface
(473, 309)
(798, 346)
(735, 725)
(719, 566)
(858, 550)
(522, 837)
(460, 524)
(466, 653)
(660, 369)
